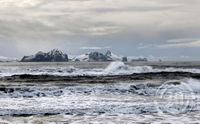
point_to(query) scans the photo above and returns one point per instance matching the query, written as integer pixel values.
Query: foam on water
(114, 68)
(183, 86)
(122, 119)
(120, 102)
(119, 68)
(193, 84)
(90, 99)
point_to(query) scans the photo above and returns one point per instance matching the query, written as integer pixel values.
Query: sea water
(117, 103)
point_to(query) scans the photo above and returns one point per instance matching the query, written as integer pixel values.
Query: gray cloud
(27, 26)
(174, 43)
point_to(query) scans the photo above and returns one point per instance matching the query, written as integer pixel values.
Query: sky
(149, 28)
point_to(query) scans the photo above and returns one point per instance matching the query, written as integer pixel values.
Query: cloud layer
(27, 26)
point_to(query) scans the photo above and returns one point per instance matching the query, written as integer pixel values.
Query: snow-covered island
(51, 56)
(97, 57)
(58, 56)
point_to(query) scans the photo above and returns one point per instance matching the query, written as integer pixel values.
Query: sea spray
(114, 68)
(119, 68)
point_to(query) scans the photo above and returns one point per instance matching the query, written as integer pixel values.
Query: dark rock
(52, 56)
(7, 90)
(96, 56)
(3, 89)
(41, 95)
(109, 56)
(77, 60)
(100, 57)
(138, 87)
(124, 59)
(108, 53)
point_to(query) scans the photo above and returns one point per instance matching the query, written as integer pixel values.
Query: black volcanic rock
(124, 59)
(100, 57)
(109, 56)
(56, 55)
(96, 56)
(108, 53)
(52, 56)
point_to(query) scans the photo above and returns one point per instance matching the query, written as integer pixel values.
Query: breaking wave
(146, 89)
(186, 85)
(117, 68)
(114, 68)
(91, 99)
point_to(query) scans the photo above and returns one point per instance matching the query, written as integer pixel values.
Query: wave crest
(114, 68)
(117, 68)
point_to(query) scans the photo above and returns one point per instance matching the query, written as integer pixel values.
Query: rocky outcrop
(52, 56)
(124, 59)
(109, 56)
(97, 57)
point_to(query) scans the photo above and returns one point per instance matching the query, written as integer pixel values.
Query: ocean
(100, 92)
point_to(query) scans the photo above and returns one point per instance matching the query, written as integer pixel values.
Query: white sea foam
(86, 100)
(193, 84)
(114, 100)
(121, 119)
(114, 68)
(185, 86)
(119, 68)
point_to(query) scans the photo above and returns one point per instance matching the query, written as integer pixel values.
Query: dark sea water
(121, 102)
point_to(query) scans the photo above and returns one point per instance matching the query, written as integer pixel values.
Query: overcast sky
(150, 28)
